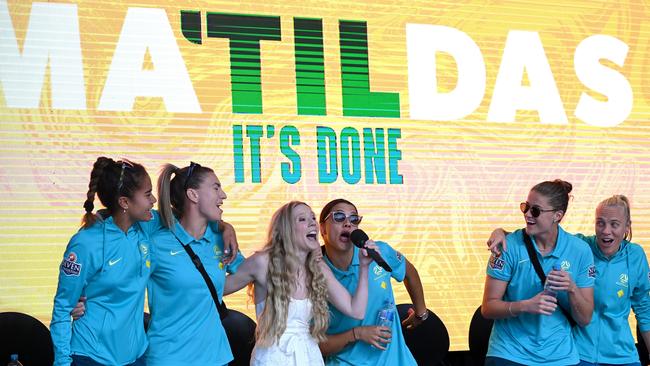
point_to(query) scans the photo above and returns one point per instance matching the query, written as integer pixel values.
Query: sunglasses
(120, 182)
(339, 216)
(534, 210)
(190, 171)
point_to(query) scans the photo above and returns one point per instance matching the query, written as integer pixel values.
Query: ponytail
(626, 208)
(172, 191)
(96, 174)
(164, 195)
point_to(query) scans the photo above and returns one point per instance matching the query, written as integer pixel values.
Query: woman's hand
(364, 258)
(412, 321)
(561, 281)
(497, 241)
(378, 337)
(317, 254)
(540, 304)
(230, 245)
(79, 309)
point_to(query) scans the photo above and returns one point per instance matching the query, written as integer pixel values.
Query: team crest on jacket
(69, 266)
(496, 263)
(144, 248)
(591, 271)
(377, 270)
(565, 265)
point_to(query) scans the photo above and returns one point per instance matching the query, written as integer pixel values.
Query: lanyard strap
(221, 306)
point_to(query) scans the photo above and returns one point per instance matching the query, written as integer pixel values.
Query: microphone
(359, 238)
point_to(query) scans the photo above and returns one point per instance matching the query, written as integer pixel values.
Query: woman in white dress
(291, 288)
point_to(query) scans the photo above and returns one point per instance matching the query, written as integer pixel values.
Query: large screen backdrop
(435, 118)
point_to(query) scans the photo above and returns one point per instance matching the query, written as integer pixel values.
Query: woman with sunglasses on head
(622, 282)
(364, 342)
(108, 262)
(529, 328)
(185, 326)
(291, 287)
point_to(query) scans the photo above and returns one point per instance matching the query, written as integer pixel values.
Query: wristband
(354, 334)
(423, 316)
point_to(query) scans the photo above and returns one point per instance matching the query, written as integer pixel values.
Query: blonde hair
(619, 200)
(165, 207)
(281, 280)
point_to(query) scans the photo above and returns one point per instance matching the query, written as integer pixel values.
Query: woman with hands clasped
(527, 329)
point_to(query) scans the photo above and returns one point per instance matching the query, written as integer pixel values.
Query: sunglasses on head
(340, 216)
(190, 171)
(535, 211)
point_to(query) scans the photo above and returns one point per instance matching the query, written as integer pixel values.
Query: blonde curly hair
(281, 281)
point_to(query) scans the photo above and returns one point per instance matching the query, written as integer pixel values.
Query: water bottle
(14, 361)
(547, 285)
(386, 315)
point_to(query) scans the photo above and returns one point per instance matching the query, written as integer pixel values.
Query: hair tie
(88, 206)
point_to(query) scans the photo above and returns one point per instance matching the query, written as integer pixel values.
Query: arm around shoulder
(252, 270)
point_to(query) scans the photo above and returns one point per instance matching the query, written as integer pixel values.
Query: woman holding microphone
(365, 342)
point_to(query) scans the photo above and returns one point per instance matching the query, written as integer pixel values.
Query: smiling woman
(622, 282)
(181, 330)
(291, 288)
(107, 262)
(528, 328)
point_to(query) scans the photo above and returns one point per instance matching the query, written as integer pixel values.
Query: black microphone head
(359, 237)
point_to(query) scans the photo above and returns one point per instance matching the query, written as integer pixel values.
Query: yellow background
(461, 178)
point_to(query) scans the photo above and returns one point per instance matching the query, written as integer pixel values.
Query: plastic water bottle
(386, 315)
(14, 361)
(547, 285)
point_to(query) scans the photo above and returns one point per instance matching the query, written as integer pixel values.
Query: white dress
(296, 346)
